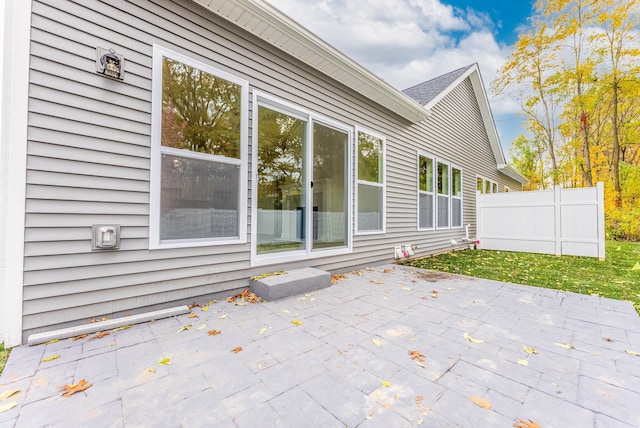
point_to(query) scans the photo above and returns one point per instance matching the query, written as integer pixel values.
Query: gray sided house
(157, 153)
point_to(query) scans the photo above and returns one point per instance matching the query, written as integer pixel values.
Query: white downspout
(16, 32)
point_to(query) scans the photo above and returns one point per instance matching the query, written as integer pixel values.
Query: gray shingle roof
(426, 91)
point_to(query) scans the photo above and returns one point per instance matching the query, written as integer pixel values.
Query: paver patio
(347, 363)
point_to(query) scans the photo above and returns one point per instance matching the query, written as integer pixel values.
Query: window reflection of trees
(200, 112)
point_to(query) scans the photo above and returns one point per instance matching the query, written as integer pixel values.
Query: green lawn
(4, 355)
(613, 277)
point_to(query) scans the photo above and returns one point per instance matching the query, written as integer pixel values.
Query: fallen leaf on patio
(523, 361)
(481, 402)
(8, 394)
(529, 349)
(635, 354)
(421, 365)
(376, 282)
(73, 388)
(387, 270)
(526, 424)
(236, 350)
(286, 311)
(204, 308)
(608, 339)
(151, 370)
(214, 332)
(165, 362)
(337, 277)
(565, 345)
(313, 299)
(201, 327)
(124, 327)
(377, 342)
(81, 336)
(636, 266)
(185, 328)
(52, 341)
(100, 335)
(472, 339)
(297, 322)
(8, 406)
(192, 316)
(100, 320)
(51, 358)
(385, 383)
(194, 305)
(223, 316)
(407, 288)
(434, 294)
(262, 330)
(416, 355)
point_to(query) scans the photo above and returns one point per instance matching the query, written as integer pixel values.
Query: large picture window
(198, 153)
(371, 185)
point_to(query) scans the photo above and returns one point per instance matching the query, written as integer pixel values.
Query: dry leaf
(201, 327)
(385, 383)
(416, 355)
(523, 361)
(236, 350)
(81, 336)
(608, 339)
(529, 349)
(214, 332)
(151, 370)
(635, 354)
(262, 330)
(297, 322)
(8, 394)
(481, 402)
(223, 316)
(185, 328)
(51, 358)
(286, 311)
(377, 342)
(52, 341)
(8, 406)
(472, 339)
(124, 327)
(165, 362)
(526, 424)
(73, 388)
(564, 345)
(204, 308)
(100, 335)
(387, 270)
(192, 316)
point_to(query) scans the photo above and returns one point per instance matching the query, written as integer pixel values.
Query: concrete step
(285, 284)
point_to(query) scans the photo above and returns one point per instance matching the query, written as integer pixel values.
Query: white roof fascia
(271, 25)
(511, 172)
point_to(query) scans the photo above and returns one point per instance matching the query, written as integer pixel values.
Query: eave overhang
(274, 27)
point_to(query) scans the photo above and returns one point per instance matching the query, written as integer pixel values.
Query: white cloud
(407, 42)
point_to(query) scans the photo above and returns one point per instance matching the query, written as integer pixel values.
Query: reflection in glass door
(281, 182)
(329, 186)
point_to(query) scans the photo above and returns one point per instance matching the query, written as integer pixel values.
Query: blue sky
(406, 42)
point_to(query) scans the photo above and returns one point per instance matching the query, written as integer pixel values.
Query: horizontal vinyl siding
(89, 158)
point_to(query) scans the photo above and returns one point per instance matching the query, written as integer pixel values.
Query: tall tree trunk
(615, 163)
(584, 128)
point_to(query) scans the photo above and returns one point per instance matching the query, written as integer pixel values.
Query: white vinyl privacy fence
(558, 221)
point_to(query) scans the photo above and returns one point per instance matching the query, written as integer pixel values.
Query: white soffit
(269, 24)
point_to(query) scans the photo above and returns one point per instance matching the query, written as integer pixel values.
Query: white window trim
(485, 180)
(432, 193)
(382, 185)
(160, 52)
(437, 194)
(461, 197)
(258, 99)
